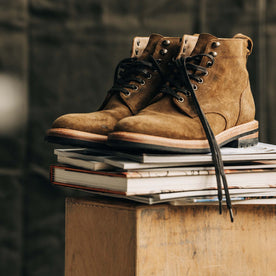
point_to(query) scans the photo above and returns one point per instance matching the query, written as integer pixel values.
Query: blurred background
(59, 57)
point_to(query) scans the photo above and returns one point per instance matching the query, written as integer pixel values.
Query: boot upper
(223, 93)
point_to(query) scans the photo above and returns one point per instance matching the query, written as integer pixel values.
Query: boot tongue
(187, 45)
(149, 50)
(201, 43)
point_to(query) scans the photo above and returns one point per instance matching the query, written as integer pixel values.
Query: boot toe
(95, 122)
(70, 121)
(151, 125)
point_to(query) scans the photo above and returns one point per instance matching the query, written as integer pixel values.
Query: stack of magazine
(181, 179)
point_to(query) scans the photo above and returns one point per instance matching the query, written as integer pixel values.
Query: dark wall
(62, 55)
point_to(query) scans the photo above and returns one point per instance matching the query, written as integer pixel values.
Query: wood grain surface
(110, 237)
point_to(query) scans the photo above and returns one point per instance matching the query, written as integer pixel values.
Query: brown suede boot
(206, 104)
(214, 79)
(135, 84)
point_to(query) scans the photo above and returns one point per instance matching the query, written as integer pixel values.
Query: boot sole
(64, 136)
(239, 136)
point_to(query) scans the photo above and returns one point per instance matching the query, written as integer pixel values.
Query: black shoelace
(187, 71)
(127, 71)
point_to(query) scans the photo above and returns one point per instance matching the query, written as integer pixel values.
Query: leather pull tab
(188, 45)
(138, 46)
(249, 42)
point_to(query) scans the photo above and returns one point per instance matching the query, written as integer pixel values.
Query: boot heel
(245, 141)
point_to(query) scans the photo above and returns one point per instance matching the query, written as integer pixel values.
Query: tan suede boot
(206, 104)
(217, 76)
(135, 84)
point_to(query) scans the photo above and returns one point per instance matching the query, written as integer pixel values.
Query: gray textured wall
(63, 53)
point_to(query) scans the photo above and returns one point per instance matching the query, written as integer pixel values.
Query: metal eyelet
(143, 82)
(215, 44)
(195, 87)
(209, 63)
(135, 87)
(163, 52)
(214, 54)
(180, 99)
(166, 42)
(127, 93)
(205, 73)
(149, 76)
(200, 80)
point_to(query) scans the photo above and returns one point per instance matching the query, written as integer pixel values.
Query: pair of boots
(189, 94)
(173, 94)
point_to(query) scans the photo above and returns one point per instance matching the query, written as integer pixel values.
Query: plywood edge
(104, 202)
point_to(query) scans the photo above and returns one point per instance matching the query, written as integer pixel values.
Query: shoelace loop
(127, 71)
(185, 72)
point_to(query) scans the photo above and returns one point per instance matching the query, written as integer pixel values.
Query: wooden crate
(111, 237)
